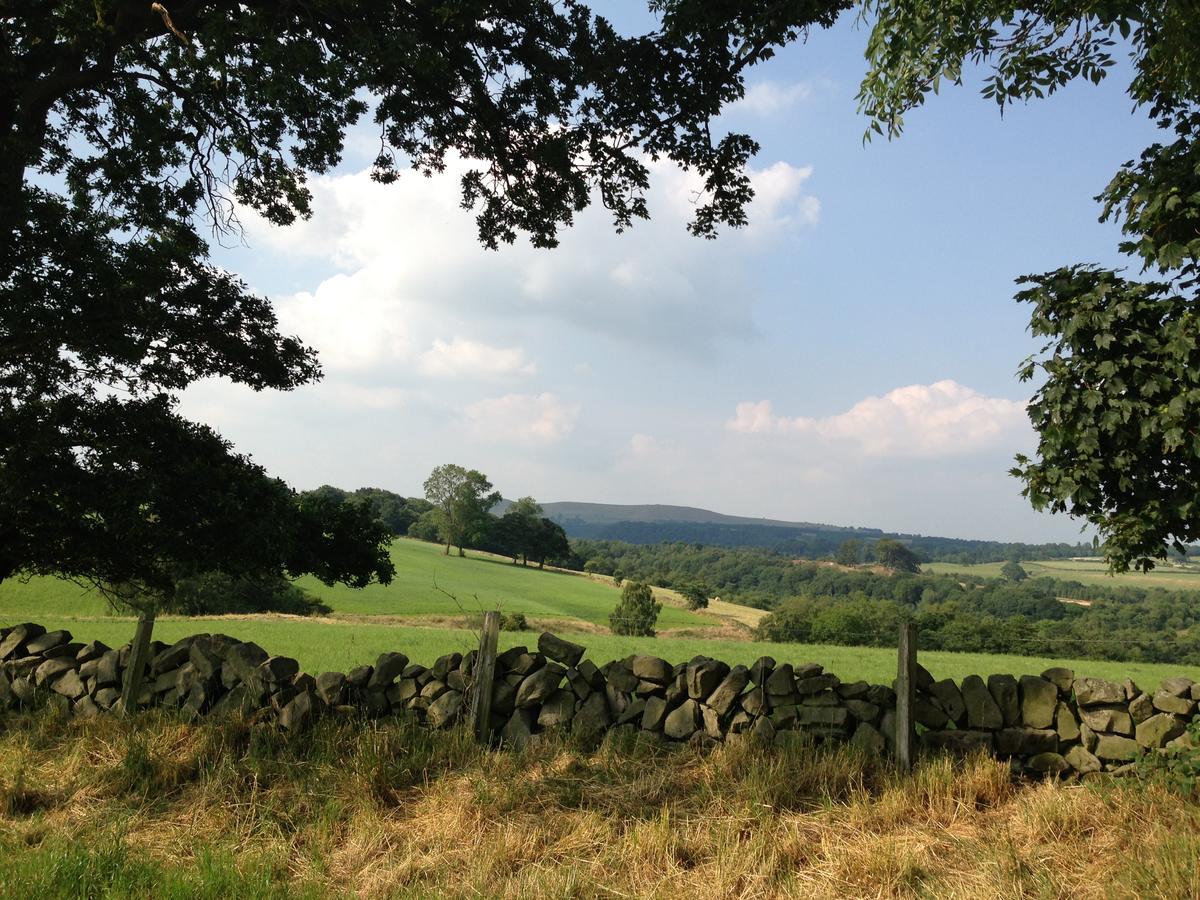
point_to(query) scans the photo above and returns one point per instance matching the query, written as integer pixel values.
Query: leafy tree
(549, 541)
(1014, 571)
(637, 612)
(426, 527)
(461, 499)
(519, 529)
(696, 594)
(128, 130)
(895, 556)
(849, 553)
(1118, 410)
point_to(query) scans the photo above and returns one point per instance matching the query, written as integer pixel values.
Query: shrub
(514, 621)
(637, 612)
(696, 595)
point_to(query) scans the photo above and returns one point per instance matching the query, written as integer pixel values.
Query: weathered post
(906, 682)
(485, 672)
(137, 661)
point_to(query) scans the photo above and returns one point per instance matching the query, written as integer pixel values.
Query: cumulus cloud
(769, 98)
(522, 418)
(935, 420)
(462, 357)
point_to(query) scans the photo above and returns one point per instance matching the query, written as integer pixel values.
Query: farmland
(1085, 571)
(418, 615)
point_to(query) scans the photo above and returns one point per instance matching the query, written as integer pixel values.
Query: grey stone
(1082, 761)
(881, 695)
(868, 738)
(633, 712)
(826, 698)
(704, 677)
(1155, 731)
(862, 710)
(1096, 691)
(506, 659)
(1131, 690)
(240, 700)
(539, 686)
(982, 711)
(783, 716)
(52, 669)
(86, 707)
(560, 650)
(592, 715)
(781, 681)
(622, 678)
(755, 701)
(807, 670)
(813, 684)
(203, 657)
(722, 700)
(648, 688)
(1178, 686)
(558, 710)
(652, 668)
(1048, 763)
(960, 740)
(950, 698)
(855, 690)
(1003, 689)
(431, 691)
(592, 675)
(681, 723)
(47, 641)
(526, 663)
(740, 722)
(16, 639)
(1107, 718)
(444, 711)
(108, 672)
(331, 687)
(1141, 708)
(1039, 701)
(457, 681)
(359, 676)
(300, 712)
(1165, 701)
(762, 730)
(388, 667)
(504, 696)
(926, 714)
(762, 669)
(91, 651)
(1087, 736)
(655, 714)
(107, 696)
(69, 685)
(243, 661)
(1021, 741)
(712, 723)
(442, 666)
(1062, 678)
(1065, 723)
(579, 684)
(1111, 747)
(822, 715)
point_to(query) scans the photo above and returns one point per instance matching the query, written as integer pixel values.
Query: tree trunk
(460, 550)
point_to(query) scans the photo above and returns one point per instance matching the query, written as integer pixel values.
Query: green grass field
(1086, 571)
(341, 643)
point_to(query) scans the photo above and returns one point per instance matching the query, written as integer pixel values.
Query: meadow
(417, 615)
(157, 807)
(1085, 571)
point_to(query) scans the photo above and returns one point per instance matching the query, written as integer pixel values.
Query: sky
(849, 358)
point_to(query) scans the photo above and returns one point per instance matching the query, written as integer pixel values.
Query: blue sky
(847, 359)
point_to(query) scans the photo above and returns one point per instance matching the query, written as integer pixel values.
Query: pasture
(1085, 571)
(417, 615)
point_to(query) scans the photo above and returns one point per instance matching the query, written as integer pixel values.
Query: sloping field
(1086, 571)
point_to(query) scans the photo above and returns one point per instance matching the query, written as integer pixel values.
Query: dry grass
(162, 808)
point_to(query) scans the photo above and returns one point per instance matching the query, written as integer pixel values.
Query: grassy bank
(165, 809)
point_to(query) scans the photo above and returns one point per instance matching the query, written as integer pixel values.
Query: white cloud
(461, 357)
(935, 420)
(522, 418)
(769, 98)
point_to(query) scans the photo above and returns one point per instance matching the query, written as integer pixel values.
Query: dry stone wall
(1048, 724)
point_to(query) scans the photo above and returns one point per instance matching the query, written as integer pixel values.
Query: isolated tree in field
(461, 499)
(695, 594)
(637, 612)
(519, 529)
(1118, 410)
(894, 555)
(1014, 571)
(849, 553)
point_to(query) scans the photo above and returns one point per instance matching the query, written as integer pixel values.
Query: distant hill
(655, 523)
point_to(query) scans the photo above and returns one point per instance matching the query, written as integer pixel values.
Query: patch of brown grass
(389, 810)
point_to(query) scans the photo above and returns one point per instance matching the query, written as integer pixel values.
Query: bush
(637, 612)
(215, 593)
(1177, 769)
(514, 621)
(696, 595)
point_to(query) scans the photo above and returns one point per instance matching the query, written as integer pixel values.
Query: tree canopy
(461, 499)
(1118, 409)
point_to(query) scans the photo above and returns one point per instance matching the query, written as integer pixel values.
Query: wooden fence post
(137, 661)
(485, 672)
(906, 682)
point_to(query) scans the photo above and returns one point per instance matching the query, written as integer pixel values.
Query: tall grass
(158, 807)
